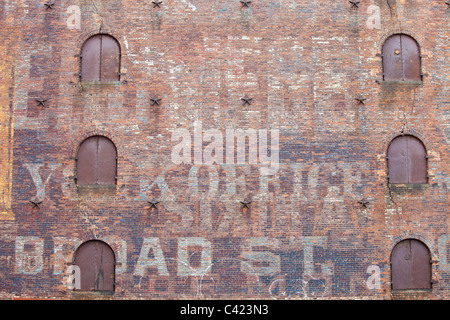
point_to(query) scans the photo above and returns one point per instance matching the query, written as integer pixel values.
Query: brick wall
(321, 224)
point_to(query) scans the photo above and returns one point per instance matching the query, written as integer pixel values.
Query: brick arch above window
(100, 59)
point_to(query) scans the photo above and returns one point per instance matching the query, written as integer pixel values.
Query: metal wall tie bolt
(245, 3)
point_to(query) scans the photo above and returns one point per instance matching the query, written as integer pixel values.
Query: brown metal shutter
(407, 162)
(410, 265)
(87, 162)
(401, 59)
(397, 161)
(100, 59)
(96, 261)
(411, 59)
(90, 59)
(110, 58)
(392, 60)
(106, 161)
(417, 157)
(97, 162)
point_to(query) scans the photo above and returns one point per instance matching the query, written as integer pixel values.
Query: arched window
(96, 261)
(410, 265)
(100, 59)
(97, 162)
(401, 59)
(407, 160)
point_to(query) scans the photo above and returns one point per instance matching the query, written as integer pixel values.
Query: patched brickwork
(251, 148)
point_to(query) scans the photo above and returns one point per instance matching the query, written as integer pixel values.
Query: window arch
(97, 162)
(96, 261)
(401, 59)
(100, 59)
(410, 265)
(407, 160)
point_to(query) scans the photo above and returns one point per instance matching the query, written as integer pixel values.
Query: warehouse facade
(226, 149)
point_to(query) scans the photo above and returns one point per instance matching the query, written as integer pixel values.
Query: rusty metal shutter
(100, 59)
(407, 162)
(401, 59)
(97, 263)
(410, 265)
(97, 162)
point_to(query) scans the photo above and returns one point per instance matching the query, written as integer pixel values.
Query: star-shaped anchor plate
(355, 4)
(155, 100)
(245, 204)
(153, 204)
(246, 100)
(156, 4)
